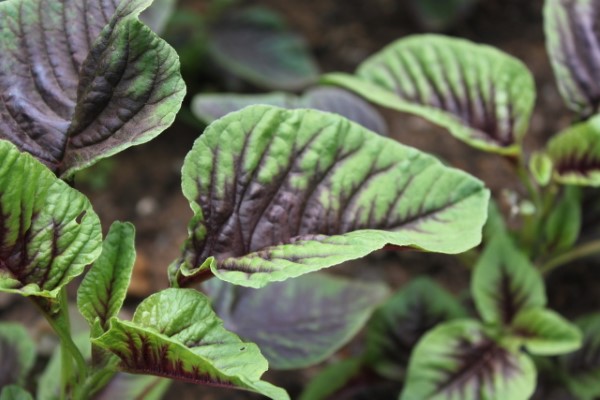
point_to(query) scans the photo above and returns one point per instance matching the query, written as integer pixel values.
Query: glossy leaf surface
(209, 107)
(83, 80)
(457, 361)
(573, 43)
(399, 324)
(255, 45)
(299, 322)
(575, 154)
(175, 334)
(48, 231)
(505, 283)
(481, 95)
(17, 352)
(280, 193)
(102, 292)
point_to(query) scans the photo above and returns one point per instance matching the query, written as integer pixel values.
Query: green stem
(584, 250)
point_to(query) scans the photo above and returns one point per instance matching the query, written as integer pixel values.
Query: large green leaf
(280, 193)
(545, 332)
(481, 95)
(83, 81)
(505, 283)
(102, 292)
(48, 231)
(17, 352)
(209, 107)
(175, 334)
(573, 42)
(581, 369)
(299, 322)
(458, 361)
(255, 45)
(398, 325)
(575, 154)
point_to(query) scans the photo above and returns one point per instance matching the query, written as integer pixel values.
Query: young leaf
(48, 231)
(331, 379)
(256, 46)
(397, 326)
(481, 95)
(544, 332)
(13, 392)
(540, 166)
(573, 43)
(175, 334)
(17, 352)
(210, 107)
(280, 193)
(457, 360)
(102, 292)
(564, 222)
(299, 322)
(504, 283)
(582, 368)
(83, 81)
(575, 153)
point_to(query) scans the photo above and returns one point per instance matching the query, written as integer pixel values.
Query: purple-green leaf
(48, 231)
(573, 43)
(458, 360)
(398, 325)
(256, 46)
(103, 290)
(299, 322)
(210, 107)
(17, 352)
(175, 334)
(505, 283)
(83, 80)
(481, 95)
(279, 193)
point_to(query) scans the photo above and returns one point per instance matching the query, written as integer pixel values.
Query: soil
(143, 184)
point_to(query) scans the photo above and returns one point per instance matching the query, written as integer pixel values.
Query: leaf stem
(581, 251)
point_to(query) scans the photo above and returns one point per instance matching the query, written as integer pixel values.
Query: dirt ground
(144, 184)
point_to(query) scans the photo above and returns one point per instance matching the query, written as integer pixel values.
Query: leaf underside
(175, 334)
(573, 43)
(458, 361)
(280, 193)
(48, 231)
(210, 107)
(481, 95)
(82, 80)
(299, 322)
(575, 154)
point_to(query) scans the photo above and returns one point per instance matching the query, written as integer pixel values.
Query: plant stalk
(584, 250)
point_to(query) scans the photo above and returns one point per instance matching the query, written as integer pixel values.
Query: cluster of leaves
(278, 193)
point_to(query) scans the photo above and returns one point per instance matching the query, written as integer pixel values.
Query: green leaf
(545, 332)
(299, 322)
(280, 193)
(102, 292)
(13, 392)
(398, 325)
(573, 43)
(457, 360)
(17, 352)
(210, 107)
(581, 369)
(504, 283)
(48, 231)
(541, 167)
(83, 81)
(564, 222)
(481, 95)
(331, 379)
(128, 386)
(175, 334)
(575, 153)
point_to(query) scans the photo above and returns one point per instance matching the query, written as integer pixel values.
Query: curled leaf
(48, 231)
(481, 95)
(280, 193)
